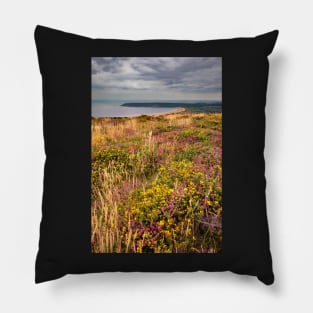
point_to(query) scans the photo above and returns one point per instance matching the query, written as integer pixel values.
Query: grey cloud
(182, 74)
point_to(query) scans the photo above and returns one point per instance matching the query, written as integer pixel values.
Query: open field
(157, 184)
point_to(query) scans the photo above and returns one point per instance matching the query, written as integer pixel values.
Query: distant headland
(207, 107)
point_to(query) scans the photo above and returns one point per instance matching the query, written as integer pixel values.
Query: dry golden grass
(149, 142)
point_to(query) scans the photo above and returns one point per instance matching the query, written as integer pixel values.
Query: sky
(156, 78)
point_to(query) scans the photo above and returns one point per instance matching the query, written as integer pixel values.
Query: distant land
(196, 107)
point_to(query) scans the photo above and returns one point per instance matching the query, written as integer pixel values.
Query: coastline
(174, 111)
(177, 110)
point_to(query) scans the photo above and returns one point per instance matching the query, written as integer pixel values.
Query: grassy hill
(157, 184)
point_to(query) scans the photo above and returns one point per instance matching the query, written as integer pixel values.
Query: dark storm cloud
(200, 77)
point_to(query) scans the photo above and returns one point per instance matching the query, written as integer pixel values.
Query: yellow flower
(167, 233)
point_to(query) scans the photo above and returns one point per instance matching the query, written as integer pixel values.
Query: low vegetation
(157, 184)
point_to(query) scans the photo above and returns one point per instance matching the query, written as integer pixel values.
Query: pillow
(154, 155)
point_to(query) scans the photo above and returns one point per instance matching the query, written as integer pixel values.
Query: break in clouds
(162, 78)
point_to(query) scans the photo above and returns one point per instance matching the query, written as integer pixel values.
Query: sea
(114, 109)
